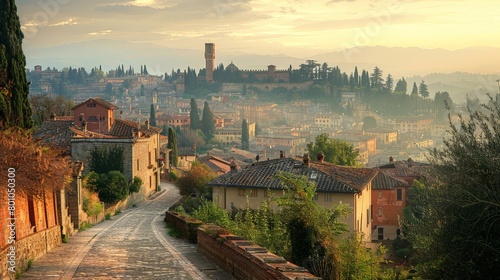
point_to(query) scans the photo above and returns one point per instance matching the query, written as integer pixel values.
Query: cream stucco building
(334, 184)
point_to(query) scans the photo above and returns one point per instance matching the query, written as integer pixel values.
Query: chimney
(410, 162)
(306, 160)
(282, 154)
(233, 166)
(147, 124)
(391, 159)
(320, 157)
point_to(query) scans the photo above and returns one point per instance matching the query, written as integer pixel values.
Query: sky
(292, 27)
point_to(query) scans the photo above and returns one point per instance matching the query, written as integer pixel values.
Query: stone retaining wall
(185, 225)
(30, 248)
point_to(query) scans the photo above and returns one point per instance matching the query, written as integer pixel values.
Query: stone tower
(210, 60)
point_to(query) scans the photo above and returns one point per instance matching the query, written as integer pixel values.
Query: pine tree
(356, 76)
(389, 82)
(422, 90)
(152, 116)
(207, 122)
(194, 118)
(414, 91)
(376, 78)
(15, 109)
(245, 141)
(401, 86)
(172, 145)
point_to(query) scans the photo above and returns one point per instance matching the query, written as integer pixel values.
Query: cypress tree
(172, 145)
(245, 141)
(15, 109)
(208, 122)
(164, 130)
(152, 117)
(194, 118)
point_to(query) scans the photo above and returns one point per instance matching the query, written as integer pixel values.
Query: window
(379, 194)
(137, 164)
(241, 192)
(254, 193)
(380, 233)
(315, 197)
(380, 211)
(367, 217)
(399, 194)
(328, 197)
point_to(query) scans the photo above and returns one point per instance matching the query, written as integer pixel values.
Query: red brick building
(96, 113)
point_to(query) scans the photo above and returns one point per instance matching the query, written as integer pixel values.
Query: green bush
(135, 185)
(107, 216)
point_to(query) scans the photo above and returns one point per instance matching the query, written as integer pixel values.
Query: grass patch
(107, 216)
(85, 225)
(173, 231)
(64, 238)
(118, 212)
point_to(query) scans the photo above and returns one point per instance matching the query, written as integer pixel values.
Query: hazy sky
(293, 27)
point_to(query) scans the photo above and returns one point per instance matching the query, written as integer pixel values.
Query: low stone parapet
(244, 259)
(186, 226)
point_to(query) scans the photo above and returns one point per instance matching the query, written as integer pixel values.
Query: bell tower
(210, 60)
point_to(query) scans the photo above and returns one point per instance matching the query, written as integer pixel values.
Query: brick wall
(243, 259)
(185, 225)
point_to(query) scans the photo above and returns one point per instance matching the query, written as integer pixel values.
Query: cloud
(128, 9)
(70, 21)
(100, 33)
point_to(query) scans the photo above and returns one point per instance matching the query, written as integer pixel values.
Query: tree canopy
(453, 224)
(335, 151)
(15, 109)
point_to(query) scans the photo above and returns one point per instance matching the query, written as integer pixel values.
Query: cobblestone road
(133, 245)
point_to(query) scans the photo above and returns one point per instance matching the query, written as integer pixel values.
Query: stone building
(141, 145)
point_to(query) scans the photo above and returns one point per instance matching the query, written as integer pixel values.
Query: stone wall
(245, 260)
(186, 226)
(30, 248)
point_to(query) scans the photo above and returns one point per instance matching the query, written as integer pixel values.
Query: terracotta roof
(328, 177)
(386, 182)
(125, 128)
(402, 168)
(56, 133)
(186, 151)
(99, 101)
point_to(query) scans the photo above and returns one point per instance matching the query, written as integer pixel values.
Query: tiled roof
(186, 151)
(99, 101)
(405, 169)
(386, 182)
(328, 177)
(125, 128)
(56, 133)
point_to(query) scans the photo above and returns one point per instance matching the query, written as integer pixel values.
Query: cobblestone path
(134, 245)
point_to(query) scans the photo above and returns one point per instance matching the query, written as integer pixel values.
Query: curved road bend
(134, 245)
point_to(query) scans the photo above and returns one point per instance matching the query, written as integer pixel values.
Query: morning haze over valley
(249, 139)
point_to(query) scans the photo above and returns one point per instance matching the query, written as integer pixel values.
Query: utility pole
(498, 82)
